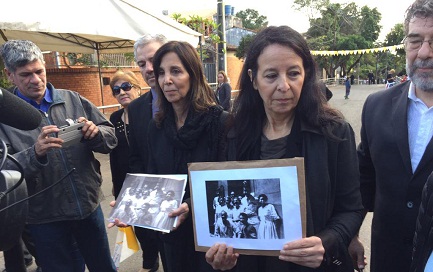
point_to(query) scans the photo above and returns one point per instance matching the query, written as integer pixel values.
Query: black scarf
(184, 140)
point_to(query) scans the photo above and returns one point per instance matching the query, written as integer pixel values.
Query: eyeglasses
(415, 43)
(126, 86)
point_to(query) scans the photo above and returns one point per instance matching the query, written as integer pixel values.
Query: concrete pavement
(351, 108)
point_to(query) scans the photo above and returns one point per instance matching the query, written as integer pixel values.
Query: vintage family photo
(252, 209)
(249, 209)
(146, 201)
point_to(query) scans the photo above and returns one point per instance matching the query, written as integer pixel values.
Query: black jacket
(423, 239)
(139, 114)
(334, 210)
(223, 95)
(389, 187)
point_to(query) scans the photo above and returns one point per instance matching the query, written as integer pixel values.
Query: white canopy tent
(87, 26)
(83, 26)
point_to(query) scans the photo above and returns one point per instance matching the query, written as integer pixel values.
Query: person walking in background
(189, 127)
(396, 152)
(224, 91)
(280, 113)
(370, 78)
(66, 223)
(125, 88)
(348, 86)
(390, 79)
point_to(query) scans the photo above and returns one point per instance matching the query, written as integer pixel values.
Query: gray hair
(18, 53)
(146, 39)
(419, 9)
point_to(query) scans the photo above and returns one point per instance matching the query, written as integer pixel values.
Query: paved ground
(351, 108)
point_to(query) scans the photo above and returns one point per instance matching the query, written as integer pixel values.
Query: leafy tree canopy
(335, 26)
(243, 46)
(251, 19)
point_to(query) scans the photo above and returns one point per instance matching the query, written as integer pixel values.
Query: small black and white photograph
(248, 209)
(146, 201)
(252, 208)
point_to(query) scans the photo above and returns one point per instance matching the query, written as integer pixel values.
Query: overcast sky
(281, 12)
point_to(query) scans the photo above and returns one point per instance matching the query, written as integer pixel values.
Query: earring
(250, 74)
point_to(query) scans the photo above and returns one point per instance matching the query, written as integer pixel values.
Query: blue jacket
(78, 194)
(347, 83)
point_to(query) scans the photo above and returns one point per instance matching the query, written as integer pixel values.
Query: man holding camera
(65, 221)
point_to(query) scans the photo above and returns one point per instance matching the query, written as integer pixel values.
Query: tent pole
(100, 77)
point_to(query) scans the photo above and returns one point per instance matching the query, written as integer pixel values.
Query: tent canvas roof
(83, 26)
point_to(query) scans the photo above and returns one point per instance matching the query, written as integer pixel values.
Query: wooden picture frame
(282, 182)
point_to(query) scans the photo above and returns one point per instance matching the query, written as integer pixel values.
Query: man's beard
(422, 80)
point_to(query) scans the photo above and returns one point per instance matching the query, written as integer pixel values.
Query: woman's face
(125, 97)
(220, 78)
(279, 80)
(262, 201)
(173, 79)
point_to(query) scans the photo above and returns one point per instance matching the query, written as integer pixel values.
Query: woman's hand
(116, 222)
(356, 251)
(221, 257)
(306, 252)
(182, 212)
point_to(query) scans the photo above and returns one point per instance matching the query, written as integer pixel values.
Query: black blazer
(423, 239)
(388, 186)
(139, 114)
(223, 95)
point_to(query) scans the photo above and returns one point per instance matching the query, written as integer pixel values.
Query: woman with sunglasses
(125, 88)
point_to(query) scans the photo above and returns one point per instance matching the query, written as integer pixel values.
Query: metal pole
(100, 77)
(221, 52)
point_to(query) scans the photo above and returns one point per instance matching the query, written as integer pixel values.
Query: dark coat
(389, 187)
(119, 156)
(423, 239)
(139, 114)
(223, 95)
(334, 209)
(162, 160)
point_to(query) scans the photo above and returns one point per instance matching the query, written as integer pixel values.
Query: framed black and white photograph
(255, 206)
(146, 200)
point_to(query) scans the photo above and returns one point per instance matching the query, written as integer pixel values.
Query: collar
(45, 103)
(411, 93)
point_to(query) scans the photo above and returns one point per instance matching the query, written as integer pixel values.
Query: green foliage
(205, 26)
(340, 27)
(396, 60)
(251, 19)
(369, 24)
(243, 46)
(4, 81)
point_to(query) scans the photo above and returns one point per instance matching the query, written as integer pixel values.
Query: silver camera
(71, 133)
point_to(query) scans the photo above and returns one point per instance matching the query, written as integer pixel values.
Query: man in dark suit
(396, 150)
(140, 112)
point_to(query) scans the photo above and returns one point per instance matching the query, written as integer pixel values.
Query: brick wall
(85, 81)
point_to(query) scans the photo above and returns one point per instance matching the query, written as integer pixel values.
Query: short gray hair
(18, 53)
(420, 9)
(146, 39)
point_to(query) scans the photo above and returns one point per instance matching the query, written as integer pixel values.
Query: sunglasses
(126, 86)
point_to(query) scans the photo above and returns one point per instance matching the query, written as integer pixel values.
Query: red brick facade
(86, 82)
